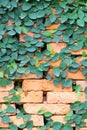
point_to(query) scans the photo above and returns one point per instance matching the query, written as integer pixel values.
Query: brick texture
(64, 97)
(59, 109)
(25, 96)
(7, 88)
(42, 85)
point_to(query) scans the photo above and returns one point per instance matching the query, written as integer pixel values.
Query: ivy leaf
(24, 30)
(49, 48)
(67, 82)
(56, 71)
(3, 82)
(40, 112)
(63, 18)
(13, 127)
(5, 119)
(10, 109)
(26, 6)
(57, 126)
(67, 127)
(52, 18)
(80, 22)
(47, 114)
(1, 73)
(26, 117)
(84, 62)
(80, 14)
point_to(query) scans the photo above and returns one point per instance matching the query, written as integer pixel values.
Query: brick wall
(40, 93)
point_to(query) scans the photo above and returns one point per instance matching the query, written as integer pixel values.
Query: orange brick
(32, 129)
(7, 88)
(53, 26)
(82, 83)
(85, 128)
(42, 85)
(58, 119)
(60, 109)
(31, 97)
(37, 120)
(25, 96)
(21, 38)
(28, 76)
(77, 75)
(79, 52)
(58, 47)
(71, 75)
(64, 97)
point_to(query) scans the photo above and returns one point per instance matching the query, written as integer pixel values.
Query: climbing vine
(34, 54)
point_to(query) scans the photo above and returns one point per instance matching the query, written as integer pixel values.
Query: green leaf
(56, 71)
(18, 30)
(10, 109)
(80, 22)
(47, 114)
(47, 34)
(15, 98)
(26, 117)
(3, 82)
(13, 127)
(84, 62)
(12, 91)
(64, 18)
(24, 30)
(1, 73)
(26, 6)
(57, 126)
(67, 82)
(49, 48)
(40, 112)
(73, 15)
(67, 127)
(11, 33)
(77, 89)
(5, 119)
(80, 14)
(52, 18)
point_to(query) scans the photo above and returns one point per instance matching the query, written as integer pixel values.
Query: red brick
(58, 119)
(42, 85)
(3, 125)
(85, 128)
(64, 97)
(60, 109)
(31, 97)
(7, 88)
(79, 52)
(58, 47)
(53, 26)
(82, 83)
(25, 96)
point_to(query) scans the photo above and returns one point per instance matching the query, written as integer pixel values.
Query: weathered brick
(79, 52)
(60, 109)
(64, 97)
(57, 47)
(58, 119)
(21, 37)
(53, 26)
(7, 88)
(28, 76)
(84, 128)
(3, 125)
(82, 83)
(32, 97)
(25, 96)
(42, 85)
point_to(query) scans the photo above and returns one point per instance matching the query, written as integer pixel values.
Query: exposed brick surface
(25, 96)
(58, 118)
(64, 97)
(53, 26)
(85, 128)
(59, 109)
(7, 88)
(82, 83)
(44, 85)
(32, 96)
